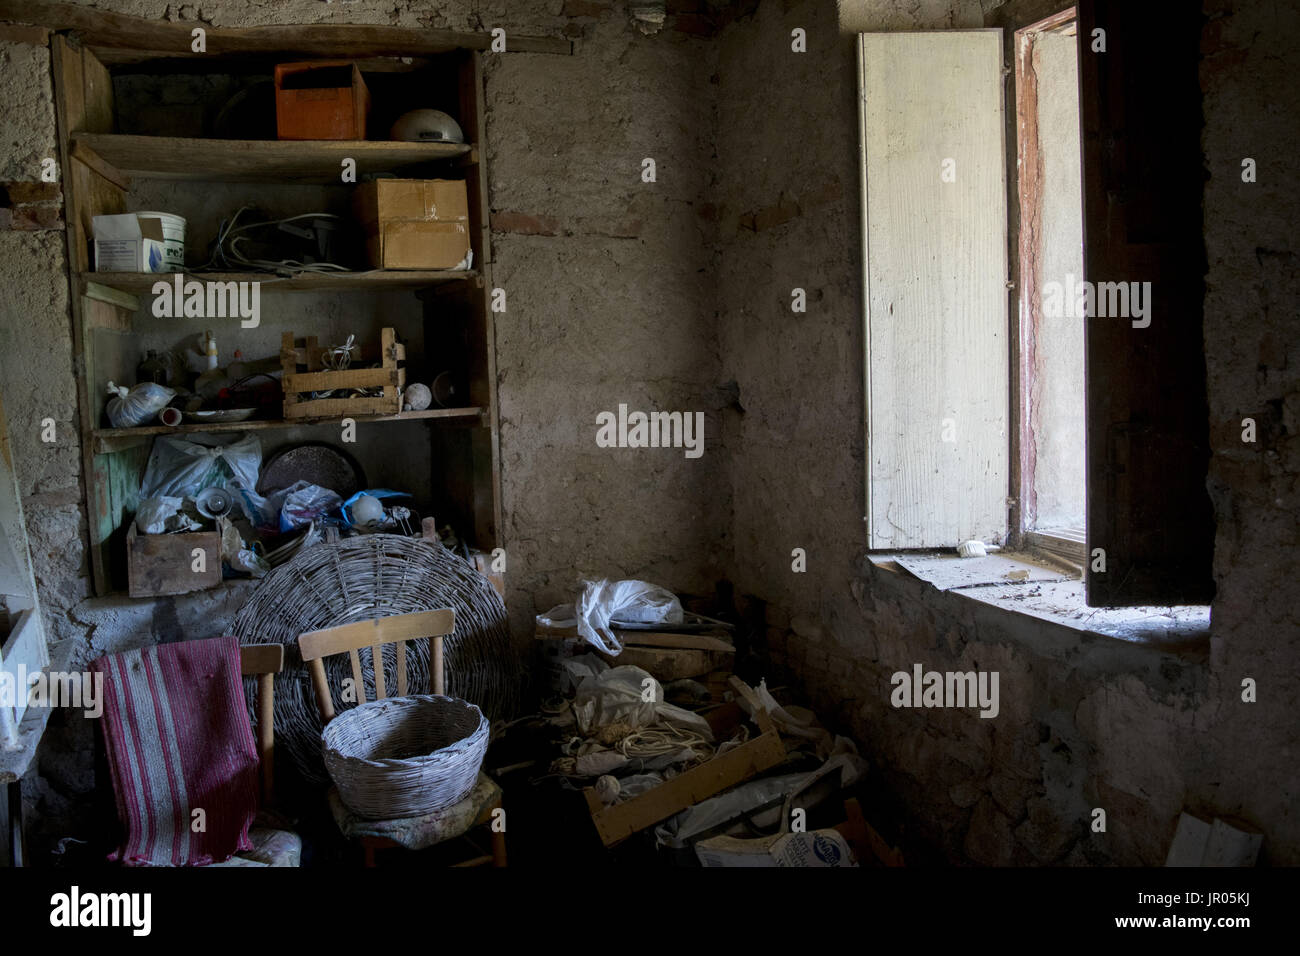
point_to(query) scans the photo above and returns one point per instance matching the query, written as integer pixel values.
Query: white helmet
(427, 126)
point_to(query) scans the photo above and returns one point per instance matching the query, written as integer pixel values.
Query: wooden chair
(273, 843)
(416, 833)
(271, 840)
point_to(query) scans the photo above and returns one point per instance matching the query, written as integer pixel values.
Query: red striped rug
(181, 751)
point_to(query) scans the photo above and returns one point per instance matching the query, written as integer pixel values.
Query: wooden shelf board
(249, 160)
(376, 280)
(115, 439)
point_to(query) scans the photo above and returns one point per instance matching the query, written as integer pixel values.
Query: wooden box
(618, 822)
(322, 99)
(388, 378)
(158, 564)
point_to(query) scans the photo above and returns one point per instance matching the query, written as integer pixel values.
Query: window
(995, 409)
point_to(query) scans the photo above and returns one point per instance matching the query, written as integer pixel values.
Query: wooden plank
(946, 572)
(937, 452)
(320, 685)
(261, 658)
(401, 668)
(437, 669)
(377, 666)
(346, 378)
(84, 194)
(114, 439)
(110, 296)
(1148, 446)
(378, 280)
(161, 564)
(139, 38)
(399, 627)
(83, 153)
(339, 408)
(620, 821)
(254, 160)
(668, 664)
(358, 683)
(266, 734)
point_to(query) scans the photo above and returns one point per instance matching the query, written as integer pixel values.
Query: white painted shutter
(936, 298)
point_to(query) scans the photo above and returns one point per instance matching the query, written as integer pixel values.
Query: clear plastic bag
(638, 602)
(305, 503)
(180, 468)
(137, 406)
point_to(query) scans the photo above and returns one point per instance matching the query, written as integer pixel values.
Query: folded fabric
(179, 742)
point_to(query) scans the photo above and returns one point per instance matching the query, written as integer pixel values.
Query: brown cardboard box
(414, 223)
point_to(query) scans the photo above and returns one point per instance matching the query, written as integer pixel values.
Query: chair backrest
(264, 661)
(374, 634)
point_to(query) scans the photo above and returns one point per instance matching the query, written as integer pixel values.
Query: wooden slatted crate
(299, 384)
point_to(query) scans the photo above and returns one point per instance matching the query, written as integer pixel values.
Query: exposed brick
(15, 33)
(585, 8)
(524, 224)
(33, 217)
(11, 194)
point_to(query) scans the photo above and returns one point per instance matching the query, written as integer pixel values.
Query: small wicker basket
(405, 756)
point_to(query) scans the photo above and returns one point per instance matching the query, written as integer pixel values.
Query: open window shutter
(934, 224)
(1148, 444)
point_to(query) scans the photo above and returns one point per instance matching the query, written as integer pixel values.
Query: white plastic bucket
(173, 239)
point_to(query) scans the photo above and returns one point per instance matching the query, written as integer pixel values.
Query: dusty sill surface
(1049, 593)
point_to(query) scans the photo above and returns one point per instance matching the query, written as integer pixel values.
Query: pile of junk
(670, 753)
(215, 494)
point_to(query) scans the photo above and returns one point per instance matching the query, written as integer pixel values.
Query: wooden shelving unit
(109, 440)
(256, 161)
(377, 280)
(100, 165)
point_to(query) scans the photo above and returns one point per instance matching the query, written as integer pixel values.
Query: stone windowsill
(1056, 595)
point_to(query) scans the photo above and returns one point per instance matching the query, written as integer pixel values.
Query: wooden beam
(149, 39)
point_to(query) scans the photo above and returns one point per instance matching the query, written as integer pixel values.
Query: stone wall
(609, 301)
(676, 296)
(1142, 732)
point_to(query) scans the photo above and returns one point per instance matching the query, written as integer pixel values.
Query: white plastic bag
(136, 406)
(181, 468)
(632, 602)
(629, 695)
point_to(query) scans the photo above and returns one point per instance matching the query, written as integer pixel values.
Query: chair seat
(270, 848)
(416, 833)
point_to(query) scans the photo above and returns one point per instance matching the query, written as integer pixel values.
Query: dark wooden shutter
(1148, 442)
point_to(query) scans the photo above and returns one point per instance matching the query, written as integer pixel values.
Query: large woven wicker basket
(405, 756)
